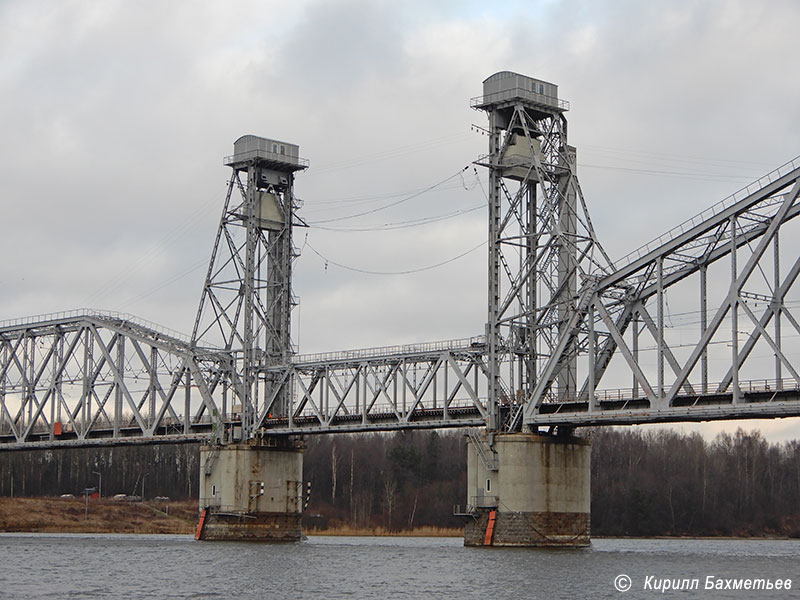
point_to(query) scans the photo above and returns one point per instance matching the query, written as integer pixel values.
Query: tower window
(488, 485)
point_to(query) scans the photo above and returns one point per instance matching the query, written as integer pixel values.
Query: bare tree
(389, 498)
(334, 465)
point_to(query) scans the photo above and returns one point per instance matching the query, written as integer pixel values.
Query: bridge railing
(168, 424)
(746, 386)
(383, 351)
(93, 313)
(711, 211)
(510, 94)
(386, 408)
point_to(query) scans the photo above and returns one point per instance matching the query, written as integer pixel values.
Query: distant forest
(644, 483)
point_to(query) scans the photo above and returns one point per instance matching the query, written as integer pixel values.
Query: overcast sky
(115, 117)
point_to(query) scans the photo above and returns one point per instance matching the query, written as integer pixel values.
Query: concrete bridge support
(251, 492)
(528, 490)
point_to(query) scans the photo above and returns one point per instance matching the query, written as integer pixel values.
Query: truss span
(90, 377)
(735, 323)
(697, 325)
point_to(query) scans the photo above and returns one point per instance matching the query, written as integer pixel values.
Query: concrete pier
(528, 490)
(251, 491)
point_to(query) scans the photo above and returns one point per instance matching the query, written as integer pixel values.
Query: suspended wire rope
(406, 224)
(701, 176)
(391, 204)
(350, 201)
(414, 148)
(116, 281)
(404, 272)
(168, 240)
(680, 158)
(195, 267)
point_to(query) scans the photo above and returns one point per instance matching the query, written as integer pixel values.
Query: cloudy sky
(115, 117)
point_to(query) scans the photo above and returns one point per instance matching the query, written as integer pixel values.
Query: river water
(175, 566)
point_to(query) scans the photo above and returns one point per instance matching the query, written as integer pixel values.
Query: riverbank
(71, 515)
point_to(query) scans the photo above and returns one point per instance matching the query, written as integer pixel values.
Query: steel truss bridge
(572, 338)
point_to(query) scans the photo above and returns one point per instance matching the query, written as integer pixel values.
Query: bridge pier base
(251, 492)
(533, 490)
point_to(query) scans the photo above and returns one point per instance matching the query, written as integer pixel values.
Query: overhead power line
(391, 204)
(404, 272)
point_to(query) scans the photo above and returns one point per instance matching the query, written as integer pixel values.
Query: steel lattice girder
(444, 388)
(98, 377)
(609, 303)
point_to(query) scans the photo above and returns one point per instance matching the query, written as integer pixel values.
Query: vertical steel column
(660, 336)
(364, 373)
(776, 311)
(187, 399)
(86, 383)
(52, 387)
(59, 391)
(248, 341)
(31, 377)
(3, 380)
(567, 263)
(635, 350)
(151, 417)
(734, 299)
(119, 382)
(527, 380)
(704, 326)
(592, 358)
(493, 333)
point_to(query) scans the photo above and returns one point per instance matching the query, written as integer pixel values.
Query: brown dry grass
(66, 515)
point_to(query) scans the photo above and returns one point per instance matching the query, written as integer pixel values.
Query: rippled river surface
(173, 566)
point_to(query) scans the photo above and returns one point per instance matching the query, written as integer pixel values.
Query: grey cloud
(114, 124)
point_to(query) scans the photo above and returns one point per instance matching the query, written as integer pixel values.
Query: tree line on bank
(644, 483)
(170, 470)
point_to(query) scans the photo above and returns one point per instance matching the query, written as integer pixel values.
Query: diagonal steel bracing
(571, 337)
(91, 377)
(431, 385)
(729, 243)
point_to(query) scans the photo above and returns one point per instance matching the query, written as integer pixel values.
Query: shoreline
(106, 515)
(70, 515)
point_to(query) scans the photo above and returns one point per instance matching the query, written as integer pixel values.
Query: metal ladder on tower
(486, 453)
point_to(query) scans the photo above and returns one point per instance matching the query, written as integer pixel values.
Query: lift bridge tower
(540, 240)
(247, 296)
(524, 488)
(245, 310)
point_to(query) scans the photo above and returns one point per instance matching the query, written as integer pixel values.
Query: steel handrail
(711, 211)
(378, 351)
(93, 313)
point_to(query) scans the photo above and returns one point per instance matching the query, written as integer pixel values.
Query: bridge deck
(756, 400)
(759, 404)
